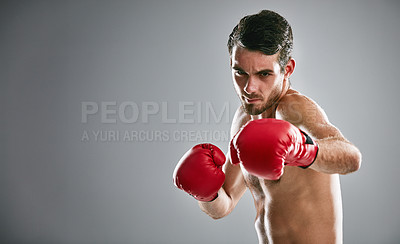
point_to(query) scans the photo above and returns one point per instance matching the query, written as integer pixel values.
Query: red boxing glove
(264, 146)
(199, 172)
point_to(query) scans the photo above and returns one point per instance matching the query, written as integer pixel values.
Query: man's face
(257, 79)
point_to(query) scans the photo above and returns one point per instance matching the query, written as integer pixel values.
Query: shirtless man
(283, 147)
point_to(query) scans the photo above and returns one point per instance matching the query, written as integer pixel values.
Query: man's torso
(303, 206)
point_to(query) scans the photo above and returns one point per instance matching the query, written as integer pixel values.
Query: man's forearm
(218, 208)
(336, 156)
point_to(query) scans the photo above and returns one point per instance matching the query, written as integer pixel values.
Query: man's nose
(251, 85)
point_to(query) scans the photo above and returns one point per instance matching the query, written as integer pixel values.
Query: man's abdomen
(303, 207)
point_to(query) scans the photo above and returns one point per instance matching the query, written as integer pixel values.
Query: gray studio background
(58, 187)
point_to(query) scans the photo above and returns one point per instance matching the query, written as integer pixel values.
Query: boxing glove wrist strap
(309, 140)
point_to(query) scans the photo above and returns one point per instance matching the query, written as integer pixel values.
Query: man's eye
(265, 74)
(240, 72)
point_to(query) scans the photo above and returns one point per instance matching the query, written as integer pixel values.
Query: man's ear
(289, 69)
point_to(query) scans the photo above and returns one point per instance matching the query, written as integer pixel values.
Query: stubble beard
(256, 109)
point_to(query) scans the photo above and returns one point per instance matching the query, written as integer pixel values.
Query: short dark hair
(265, 31)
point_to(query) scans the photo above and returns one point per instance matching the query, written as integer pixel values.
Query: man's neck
(269, 113)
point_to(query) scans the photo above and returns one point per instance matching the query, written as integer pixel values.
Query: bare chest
(290, 182)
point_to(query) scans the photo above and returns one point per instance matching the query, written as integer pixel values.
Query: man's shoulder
(239, 119)
(294, 107)
(293, 96)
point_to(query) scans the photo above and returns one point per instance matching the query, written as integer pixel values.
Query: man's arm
(234, 186)
(229, 194)
(336, 154)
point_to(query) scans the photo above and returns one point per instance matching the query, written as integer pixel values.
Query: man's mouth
(251, 100)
